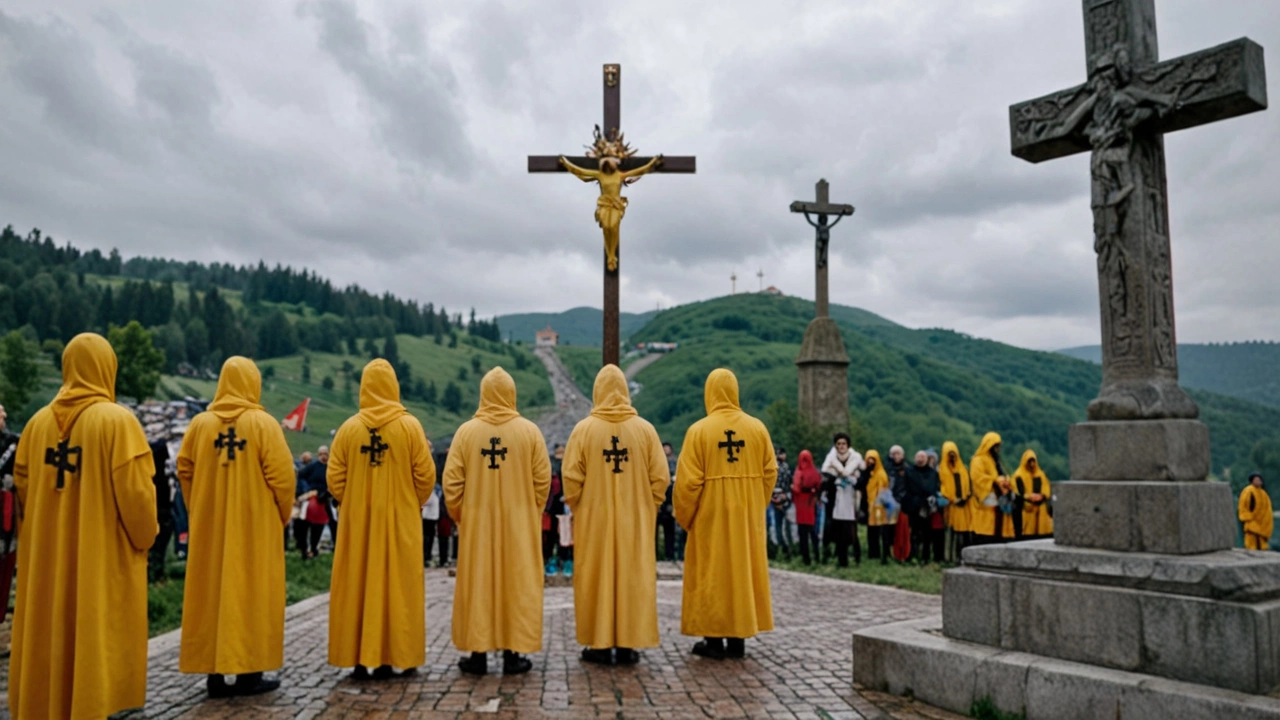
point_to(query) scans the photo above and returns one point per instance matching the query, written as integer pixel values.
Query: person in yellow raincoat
(1034, 493)
(237, 478)
(381, 474)
(724, 480)
(989, 520)
(881, 518)
(1255, 512)
(953, 477)
(83, 474)
(496, 481)
(615, 477)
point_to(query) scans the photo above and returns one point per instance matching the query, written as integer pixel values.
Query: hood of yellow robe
(989, 441)
(88, 377)
(497, 398)
(949, 447)
(878, 474)
(379, 394)
(611, 398)
(1025, 471)
(239, 389)
(721, 393)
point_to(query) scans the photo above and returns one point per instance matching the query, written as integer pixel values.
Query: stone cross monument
(1138, 607)
(823, 363)
(617, 167)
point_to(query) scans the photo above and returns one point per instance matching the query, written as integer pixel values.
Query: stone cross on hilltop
(1120, 114)
(823, 364)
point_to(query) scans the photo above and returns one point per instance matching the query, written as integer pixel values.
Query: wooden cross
(1120, 114)
(494, 452)
(617, 455)
(612, 78)
(61, 459)
(821, 209)
(731, 445)
(375, 448)
(228, 440)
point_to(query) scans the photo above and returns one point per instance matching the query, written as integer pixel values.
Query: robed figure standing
(724, 481)
(381, 473)
(82, 472)
(615, 476)
(496, 481)
(237, 477)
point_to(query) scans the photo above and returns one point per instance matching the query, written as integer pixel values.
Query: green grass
(985, 709)
(303, 579)
(917, 578)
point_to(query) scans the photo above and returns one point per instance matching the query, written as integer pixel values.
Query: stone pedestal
(823, 367)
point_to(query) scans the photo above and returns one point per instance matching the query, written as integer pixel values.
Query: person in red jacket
(806, 487)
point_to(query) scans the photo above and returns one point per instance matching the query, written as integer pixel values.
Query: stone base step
(914, 658)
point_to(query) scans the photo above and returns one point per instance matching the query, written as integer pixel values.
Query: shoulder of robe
(111, 413)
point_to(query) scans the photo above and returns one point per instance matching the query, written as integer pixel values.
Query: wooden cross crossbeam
(822, 206)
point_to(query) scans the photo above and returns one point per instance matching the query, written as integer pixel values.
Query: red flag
(296, 420)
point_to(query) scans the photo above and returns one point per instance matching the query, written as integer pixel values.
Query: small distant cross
(230, 442)
(494, 452)
(731, 445)
(375, 448)
(60, 459)
(617, 455)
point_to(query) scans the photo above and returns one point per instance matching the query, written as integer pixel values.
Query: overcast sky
(384, 143)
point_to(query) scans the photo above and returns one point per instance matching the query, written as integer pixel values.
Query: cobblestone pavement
(800, 670)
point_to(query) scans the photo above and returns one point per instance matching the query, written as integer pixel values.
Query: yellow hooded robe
(878, 482)
(1035, 491)
(381, 473)
(615, 477)
(1255, 513)
(956, 488)
(724, 480)
(983, 474)
(83, 473)
(237, 479)
(496, 482)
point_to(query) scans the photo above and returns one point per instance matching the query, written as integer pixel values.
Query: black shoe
(360, 673)
(514, 664)
(218, 687)
(254, 684)
(383, 672)
(735, 648)
(477, 664)
(626, 656)
(712, 649)
(599, 657)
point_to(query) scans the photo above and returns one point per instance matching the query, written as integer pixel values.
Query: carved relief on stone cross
(1103, 21)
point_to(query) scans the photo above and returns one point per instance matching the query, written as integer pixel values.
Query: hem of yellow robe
(695, 630)
(646, 645)
(216, 669)
(1254, 541)
(398, 663)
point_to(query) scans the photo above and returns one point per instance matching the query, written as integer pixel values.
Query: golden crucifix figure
(611, 206)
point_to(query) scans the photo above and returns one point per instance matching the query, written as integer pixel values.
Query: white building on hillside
(547, 338)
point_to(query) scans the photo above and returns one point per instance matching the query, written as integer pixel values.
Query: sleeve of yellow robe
(135, 492)
(770, 478)
(335, 475)
(541, 472)
(573, 470)
(687, 493)
(277, 467)
(659, 476)
(424, 466)
(453, 482)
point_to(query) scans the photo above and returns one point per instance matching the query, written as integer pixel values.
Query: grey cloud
(414, 98)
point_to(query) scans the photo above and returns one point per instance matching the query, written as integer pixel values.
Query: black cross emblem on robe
(494, 452)
(731, 445)
(61, 459)
(617, 455)
(230, 442)
(375, 448)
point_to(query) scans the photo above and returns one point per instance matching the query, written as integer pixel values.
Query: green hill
(1246, 370)
(915, 388)
(579, 326)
